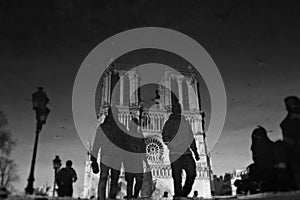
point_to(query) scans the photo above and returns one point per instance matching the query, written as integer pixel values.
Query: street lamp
(56, 166)
(39, 102)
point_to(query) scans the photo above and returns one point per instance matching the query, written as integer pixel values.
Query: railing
(125, 118)
(165, 172)
(154, 120)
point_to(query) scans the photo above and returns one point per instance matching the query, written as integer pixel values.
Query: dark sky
(255, 45)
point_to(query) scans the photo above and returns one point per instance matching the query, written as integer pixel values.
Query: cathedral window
(154, 150)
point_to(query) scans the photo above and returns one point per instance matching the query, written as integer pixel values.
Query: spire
(204, 135)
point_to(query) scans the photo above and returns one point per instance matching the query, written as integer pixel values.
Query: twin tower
(122, 85)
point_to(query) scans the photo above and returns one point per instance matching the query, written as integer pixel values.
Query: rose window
(154, 149)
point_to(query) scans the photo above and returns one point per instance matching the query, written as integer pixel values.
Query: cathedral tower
(152, 104)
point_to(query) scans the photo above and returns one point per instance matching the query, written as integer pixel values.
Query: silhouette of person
(238, 184)
(165, 196)
(133, 164)
(291, 124)
(64, 179)
(290, 127)
(262, 155)
(180, 154)
(195, 195)
(111, 158)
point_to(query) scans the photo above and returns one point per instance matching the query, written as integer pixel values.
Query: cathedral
(152, 103)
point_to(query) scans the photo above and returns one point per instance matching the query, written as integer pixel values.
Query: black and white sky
(255, 45)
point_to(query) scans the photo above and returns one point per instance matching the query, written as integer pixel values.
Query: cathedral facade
(152, 103)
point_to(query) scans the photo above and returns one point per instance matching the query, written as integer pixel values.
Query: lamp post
(56, 166)
(39, 101)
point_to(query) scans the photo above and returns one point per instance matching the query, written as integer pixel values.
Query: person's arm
(96, 145)
(74, 175)
(95, 150)
(144, 153)
(166, 133)
(144, 157)
(193, 145)
(286, 138)
(46, 98)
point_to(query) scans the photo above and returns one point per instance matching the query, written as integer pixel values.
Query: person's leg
(104, 171)
(177, 176)
(296, 175)
(190, 169)
(129, 180)
(114, 183)
(69, 191)
(62, 191)
(138, 184)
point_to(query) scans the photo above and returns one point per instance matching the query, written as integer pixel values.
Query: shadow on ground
(265, 196)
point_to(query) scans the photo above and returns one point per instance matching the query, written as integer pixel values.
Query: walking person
(64, 179)
(180, 151)
(133, 161)
(111, 159)
(290, 127)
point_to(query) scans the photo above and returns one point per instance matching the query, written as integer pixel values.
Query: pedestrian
(180, 151)
(64, 179)
(165, 196)
(290, 127)
(133, 160)
(109, 140)
(195, 195)
(262, 155)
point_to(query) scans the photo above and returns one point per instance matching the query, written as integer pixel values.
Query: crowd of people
(276, 165)
(119, 146)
